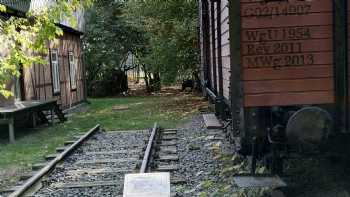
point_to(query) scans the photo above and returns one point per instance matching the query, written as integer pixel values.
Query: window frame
(74, 66)
(55, 72)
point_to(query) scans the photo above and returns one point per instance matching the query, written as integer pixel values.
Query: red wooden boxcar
(272, 62)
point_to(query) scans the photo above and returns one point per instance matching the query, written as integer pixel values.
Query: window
(55, 72)
(72, 71)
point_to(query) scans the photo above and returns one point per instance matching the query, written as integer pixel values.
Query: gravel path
(97, 168)
(196, 156)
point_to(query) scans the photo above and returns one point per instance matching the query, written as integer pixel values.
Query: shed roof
(18, 5)
(25, 6)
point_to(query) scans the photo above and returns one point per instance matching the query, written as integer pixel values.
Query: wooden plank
(288, 60)
(265, 2)
(128, 151)
(280, 86)
(314, 19)
(169, 143)
(167, 168)
(290, 98)
(99, 171)
(26, 106)
(167, 158)
(302, 72)
(83, 184)
(102, 161)
(348, 67)
(287, 33)
(211, 121)
(287, 47)
(292, 7)
(11, 130)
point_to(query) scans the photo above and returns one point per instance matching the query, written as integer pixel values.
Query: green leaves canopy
(171, 29)
(108, 39)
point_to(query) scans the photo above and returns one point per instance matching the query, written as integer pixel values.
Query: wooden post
(219, 65)
(236, 89)
(341, 63)
(52, 117)
(220, 100)
(213, 45)
(206, 43)
(34, 119)
(11, 130)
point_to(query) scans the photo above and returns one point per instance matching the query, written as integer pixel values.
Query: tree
(171, 29)
(108, 41)
(23, 38)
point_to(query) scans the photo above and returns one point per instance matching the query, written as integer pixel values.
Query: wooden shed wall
(38, 78)
(287, 52)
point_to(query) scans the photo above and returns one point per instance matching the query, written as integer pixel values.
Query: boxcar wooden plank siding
(294, 7)
(292, 98)
(290, 33)
(302, 72)
(282, 44)
(280, 61)
(211, 48)
(287, 47)
(225, 49)
(216, 46)
(282, 86)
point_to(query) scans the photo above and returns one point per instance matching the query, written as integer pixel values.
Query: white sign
(147, 185)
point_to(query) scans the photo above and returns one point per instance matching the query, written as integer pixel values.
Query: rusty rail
(37, 177)
(148, 151)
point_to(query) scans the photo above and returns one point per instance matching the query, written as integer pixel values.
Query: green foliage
(24, 40)
(170, 26)
(108, 39)
(161, 34)
(2, 8)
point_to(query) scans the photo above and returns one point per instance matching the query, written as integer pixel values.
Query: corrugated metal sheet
(19, 5)
(36, 5)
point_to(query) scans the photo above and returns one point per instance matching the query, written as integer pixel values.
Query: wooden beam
(341, 63)
(218, 29)
(11, 130)
(213, 45)
(236, 88)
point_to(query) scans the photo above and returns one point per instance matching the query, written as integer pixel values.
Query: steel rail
(33, 180)
(148, 151)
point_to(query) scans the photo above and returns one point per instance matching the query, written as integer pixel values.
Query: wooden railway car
(280, 67)
(63, 78)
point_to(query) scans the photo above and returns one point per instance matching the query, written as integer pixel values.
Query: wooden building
(63, 78)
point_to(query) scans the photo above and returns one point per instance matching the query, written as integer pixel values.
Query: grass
(32, 145)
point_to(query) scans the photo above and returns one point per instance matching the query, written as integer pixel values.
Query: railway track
(95, 164)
